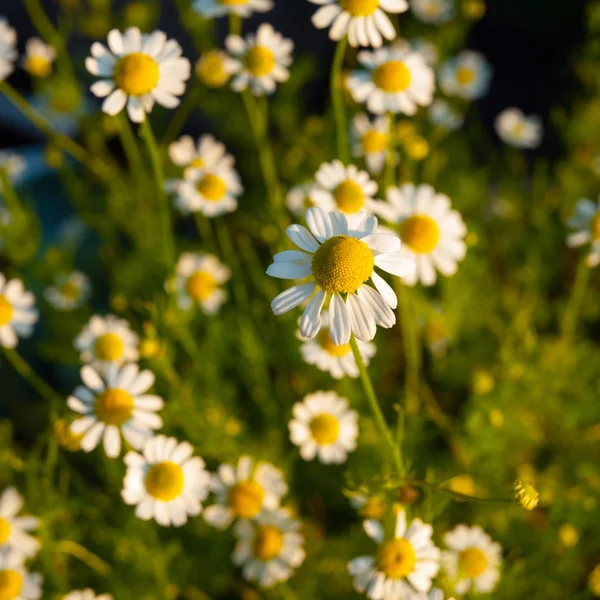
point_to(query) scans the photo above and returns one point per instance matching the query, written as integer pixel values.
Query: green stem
(337, 101)
(180, 116)
(230, 256)
(458, 495)
(389, 159)
(205, 230)
(569, 322)
(8, 193)
(235, 24)
(130, 147)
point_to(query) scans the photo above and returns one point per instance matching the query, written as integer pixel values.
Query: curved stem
(569, 322)
(337, 101)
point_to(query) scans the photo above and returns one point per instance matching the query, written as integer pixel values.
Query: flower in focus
(112, 403)
(299, 198)
(14, 529)
(138, 70)
(214, 68)
(260, 60)
(324, 427)
(467, 75)
(243, 492)
(432, 233)
(444, 116)
(38, 58)
(434, 12)
(371, 139)
(586, 223)
(527, 496)
(396, 80)
(198, 279)
(364, 21)
(242, 8)
(515, 129)
(403, 566)
(87, 594)
(269, 548)
(165, 482)
(206, 153)
(473, 559)
(70, 292)
(17, 312)
(15, 582)
(8, 49)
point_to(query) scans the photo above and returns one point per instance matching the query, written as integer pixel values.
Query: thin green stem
(130, 146)
(8, 193)
(205, 231)
(337, 101)
(391, 153)
(458, 495)
(571, 314)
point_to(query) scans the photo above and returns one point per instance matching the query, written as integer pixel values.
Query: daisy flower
(14, 529)
(473, 559)
(138, 70)
(106, 340)
(337, 261)
(371, 139)
(299, 198)
(214, 68)
(403, 566)
(242, 492)
(338, 361)
(324, 427)
(242, 8)
(586, 222)
(70, 292)
(467, 75)
(434, 12)
(364, 21)
(396, 80)
(38, 58)
(269, 548)
(115, 402)
(197, 281)
(261, 60)
(17, 312)
(165, 482)
(87, 594)
(444, 116)
(15, 582)
(206, 153)
(515, 129)
(431, 232)
(8, 49)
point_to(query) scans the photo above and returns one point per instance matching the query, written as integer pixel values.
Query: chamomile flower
(38, 58)
(207, 153)
(214, 68)
(12, 164)
(467, 75)
(395, 80)
(364, 21)
(338, 361)
(165, 482)
(8, 49)
(443, 115)
(403, 566)
(16, 583)
(299, 198)
(337, 261)
(70, 291)
(324, 427)
(432, 233)
(270, 548)
(87, 594)
(261, 60)
(14, 529)
(106, 340)
(17, 312)
(114, 402)
(197, 281)
(473, 559)
(243, 8)
(434, 12)
(586, 223)
(371, 139)
(138, 70)
(242, 492)
(515, 129)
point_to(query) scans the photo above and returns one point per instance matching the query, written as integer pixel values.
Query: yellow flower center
(465, 75)
(200, 285)
(374, 508)
(233, 2)
(210, 69)
(472, 563)
(392, 76)
(259, 61)
(342, 264)
(109, 347)
(324, 340)
(4, 530)
(360, 8)
(246, 499)
(69, 290)
(349, 196)
(136, 74)
(38, 66)
(164, 481)
(396, 559)
(212, 188)
(113, 406)
(6, 310)
(11, 583)
(197, 163)
(420, 233)
(267, 542)
(374, 141)
(325, 429)
(594, 228)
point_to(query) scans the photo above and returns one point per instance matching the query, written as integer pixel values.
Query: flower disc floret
(349, 196)
(164, 481)
(267, 542)
(136, 74)
(397, 558)
(6, 310)
(374, 141)
(392, 76)
(212, 187)
(420, 233)
(259, 61)
(246, 499)
(360, 8)
(200, 285)
(325, 429)
(4, 530)
(11, 583)
(324, 340)
(109, 347)
(472, 563)
(114, 406)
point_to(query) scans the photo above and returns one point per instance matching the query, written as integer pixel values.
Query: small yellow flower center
(360, 8)
(463, 484)
(259, 61)
(164, 481)
(69, 290)
(396, 559)
(210, 69)
(113, 406)
(325, 429)
(392, 76)
(4, 530)
(349, 196)
(465, 75)
(200, 285)
(136, 74)
(267, 542)
(374, 508)
(342, 264)
(594, 227)
(197, 163)
(374, 141)
(38, 66)
(324, 340)
(246, 499)
(11, 583)
(212, 188)
(472, 563)
(420, 233)
(6, 310)
(109, 347)
(233, 2)
(433, 9)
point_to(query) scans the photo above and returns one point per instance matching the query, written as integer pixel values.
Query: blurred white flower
(14, 529)
(434, 12)
(444, 116)
(18, 314)
(371, 139)
(586, 222)
(467, 75)
(242, 8)
(38, 58)
(8, 49)
(70, 291)
(515, 129)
